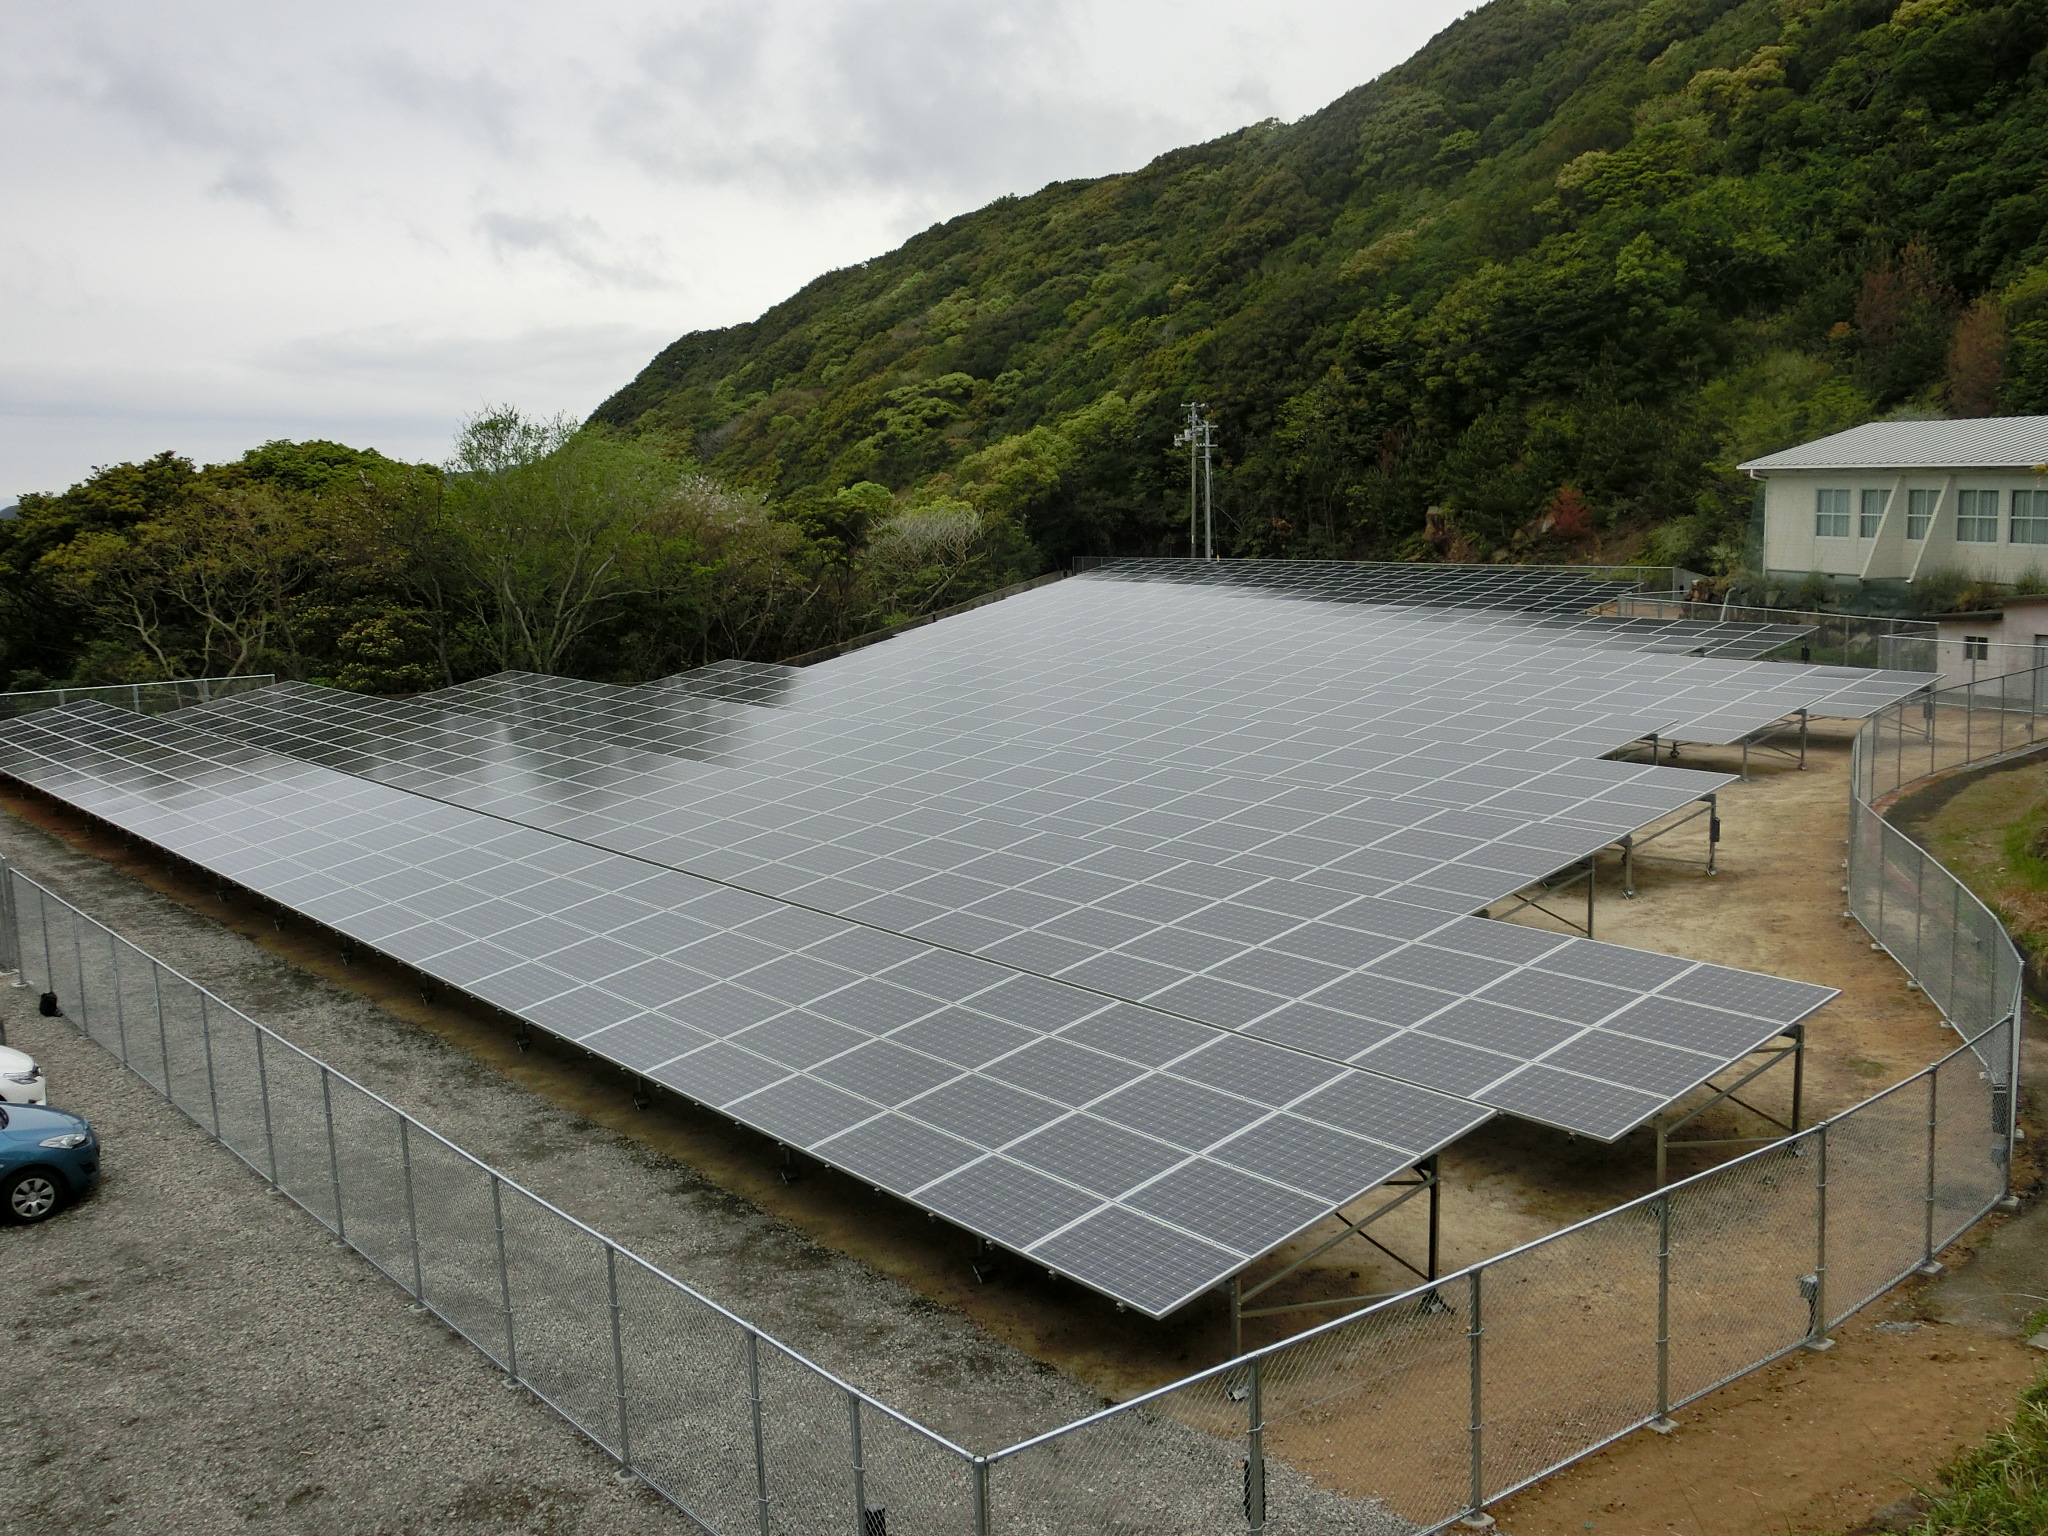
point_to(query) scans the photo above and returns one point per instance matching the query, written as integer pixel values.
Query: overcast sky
(224, 221)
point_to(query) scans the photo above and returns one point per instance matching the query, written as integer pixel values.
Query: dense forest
(1550, 280)
(540, 547)
(1557, 274)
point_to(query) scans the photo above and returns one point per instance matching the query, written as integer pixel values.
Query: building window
(1976, 647)
(1920, 507)
(2030, 517)
(1831, 514)
(1976, 517)
(1870, 516)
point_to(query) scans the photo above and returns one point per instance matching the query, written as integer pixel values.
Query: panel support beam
(1424, 1179)
(1791, 1044)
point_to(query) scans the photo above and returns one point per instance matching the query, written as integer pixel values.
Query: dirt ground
(1819, 1442)
(1886, 1405)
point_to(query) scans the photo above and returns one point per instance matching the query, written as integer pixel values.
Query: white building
(1899, 500)
(1994, 641)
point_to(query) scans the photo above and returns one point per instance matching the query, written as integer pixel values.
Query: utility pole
(1199, 436)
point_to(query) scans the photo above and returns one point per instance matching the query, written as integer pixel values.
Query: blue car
(46, 1158)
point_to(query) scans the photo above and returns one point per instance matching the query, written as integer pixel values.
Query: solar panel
(1455, 1004)
(758, 1028)
(1122, 922)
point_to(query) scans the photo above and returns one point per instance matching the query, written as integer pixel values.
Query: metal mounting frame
(1773, 1054)
(1587, 871)
(1756, 739)
(1708, 805)
(1426, 1177)
(1759, 740)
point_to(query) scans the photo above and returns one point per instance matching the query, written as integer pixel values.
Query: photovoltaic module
(1125, 922)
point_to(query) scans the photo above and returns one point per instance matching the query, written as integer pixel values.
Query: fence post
(263, 1091)
(860, 1466)
(10, 931)
(206, 1040)
(1817, 1330)
(1475, 1332)
(611, 1284)
(333, 1159)
(120, 1008)
(504, 1279)
(49, 961)
(412, 1215)
(1663, 1419)
(760, 1444)
(1927, 1264)
(1919, 914)
(163, 1039)
(981, 1496)
(1255, 1451)
(84, 1002)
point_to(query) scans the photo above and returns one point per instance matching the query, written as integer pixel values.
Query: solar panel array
(1144, 1155)
(611, 766)
(1216, 675)
(1519, 589)
(1122, 923)
(1557, 599)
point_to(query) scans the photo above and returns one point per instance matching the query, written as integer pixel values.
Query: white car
(21, 1080)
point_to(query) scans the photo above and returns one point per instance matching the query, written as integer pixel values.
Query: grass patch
(1999, 1488)
(2026, 849)
(1993, 836)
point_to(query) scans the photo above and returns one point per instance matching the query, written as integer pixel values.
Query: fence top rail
(1415, 1292)
(1926, 701)
(1969, 688)
(1924, 629)
(513, 1184)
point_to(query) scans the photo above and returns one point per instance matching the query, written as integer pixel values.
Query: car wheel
(29, 1196)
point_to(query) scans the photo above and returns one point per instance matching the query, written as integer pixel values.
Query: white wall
(1790, 543)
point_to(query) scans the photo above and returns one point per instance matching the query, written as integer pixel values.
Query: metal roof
(1996, 442)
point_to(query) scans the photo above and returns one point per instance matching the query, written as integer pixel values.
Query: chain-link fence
(143, 698)
(1835, 639)
(734, 1427)
(1950, 943)
(1400, 1418)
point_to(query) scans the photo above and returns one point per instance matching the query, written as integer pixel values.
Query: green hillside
(1557, 273)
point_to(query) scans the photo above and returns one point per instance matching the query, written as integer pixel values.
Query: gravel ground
(192, 1354)
(207, 1358)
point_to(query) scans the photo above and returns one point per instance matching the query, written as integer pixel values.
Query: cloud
(930, 96)
(553, 360)
(170, 107)
(478, 105)
(572, 239)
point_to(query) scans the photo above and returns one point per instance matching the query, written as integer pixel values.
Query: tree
(548, 529)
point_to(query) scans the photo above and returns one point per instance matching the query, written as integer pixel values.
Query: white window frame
(1920, 509)
(1870, 506)
(1830, 513)
(1976, 516)
(1976, 647)
(2029, 523)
